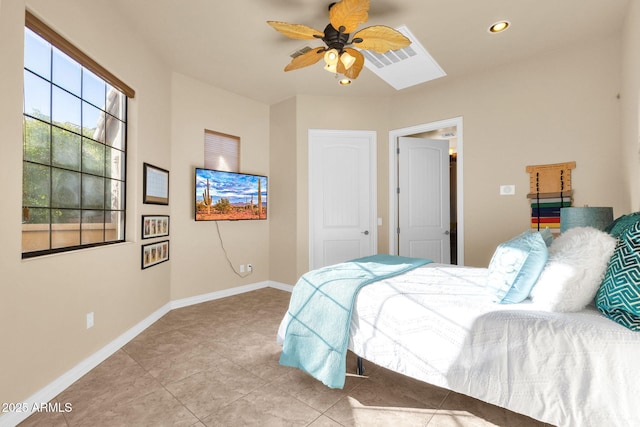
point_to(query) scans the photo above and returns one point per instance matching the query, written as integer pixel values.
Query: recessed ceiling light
(499, 26)
(344, 82)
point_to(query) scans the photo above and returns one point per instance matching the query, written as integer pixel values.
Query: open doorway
(451, 131)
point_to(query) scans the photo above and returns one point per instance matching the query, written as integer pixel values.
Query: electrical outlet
(249, 268)
(90, 320)
(241, 268)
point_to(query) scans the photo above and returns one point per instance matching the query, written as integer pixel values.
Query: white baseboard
(50, 391)
(185, 302)
(281, 286)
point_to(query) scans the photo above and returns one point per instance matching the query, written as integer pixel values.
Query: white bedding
(437, 324)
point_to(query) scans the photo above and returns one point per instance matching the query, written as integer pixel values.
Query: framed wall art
(155, 226)
(155, 253)
(155, 185)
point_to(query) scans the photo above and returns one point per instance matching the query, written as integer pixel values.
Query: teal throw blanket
(320, 309)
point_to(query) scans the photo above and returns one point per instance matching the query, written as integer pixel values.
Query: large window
(74, 158)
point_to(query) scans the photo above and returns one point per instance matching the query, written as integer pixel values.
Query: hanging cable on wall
(236, 272)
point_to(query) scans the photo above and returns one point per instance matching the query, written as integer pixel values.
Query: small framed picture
(155, 253)
(155, 185)
(155, 226)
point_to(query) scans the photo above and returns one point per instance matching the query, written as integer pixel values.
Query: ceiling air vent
(404, 67)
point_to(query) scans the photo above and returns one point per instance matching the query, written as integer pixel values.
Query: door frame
(373, 187)
(393, 179)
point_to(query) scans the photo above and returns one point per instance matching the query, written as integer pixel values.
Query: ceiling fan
(344, 18)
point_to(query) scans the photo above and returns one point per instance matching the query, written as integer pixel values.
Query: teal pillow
(618, 297)
(617, 227)
(547, 236)
(515, 267)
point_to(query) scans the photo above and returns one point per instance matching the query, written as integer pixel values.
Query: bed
(564, 363)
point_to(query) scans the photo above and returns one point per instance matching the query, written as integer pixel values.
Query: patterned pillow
(619, 296)
(617, 227)
(515, 267)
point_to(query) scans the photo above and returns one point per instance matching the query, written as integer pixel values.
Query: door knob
(446, 232)
(365, 232)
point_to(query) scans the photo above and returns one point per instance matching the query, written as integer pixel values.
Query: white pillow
(577, 261)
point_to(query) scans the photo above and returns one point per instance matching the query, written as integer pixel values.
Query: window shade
(221, 152)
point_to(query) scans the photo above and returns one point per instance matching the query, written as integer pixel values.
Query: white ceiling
(229, 45)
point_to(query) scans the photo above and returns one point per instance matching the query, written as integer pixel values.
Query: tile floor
(216, 364)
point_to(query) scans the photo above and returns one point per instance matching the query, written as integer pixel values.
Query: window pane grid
(74, 155)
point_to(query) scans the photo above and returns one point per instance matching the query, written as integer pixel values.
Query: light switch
(507, 190)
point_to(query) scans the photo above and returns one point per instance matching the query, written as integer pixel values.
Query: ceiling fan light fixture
(347, 60)
(344, 18)
(331, 60)
(333, 69)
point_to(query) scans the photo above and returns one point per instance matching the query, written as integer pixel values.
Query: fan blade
(296, 31)
(380, 39)
(306, 59)
(349, 14)
(354, 71)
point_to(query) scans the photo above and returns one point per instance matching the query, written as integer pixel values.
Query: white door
(423, 199)
(342, 196)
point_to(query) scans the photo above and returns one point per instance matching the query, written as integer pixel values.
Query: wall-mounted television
(229, 196)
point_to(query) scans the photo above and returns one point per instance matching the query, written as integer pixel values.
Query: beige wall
(199, 265)
(283, 198)
(325, 112)
(559, 106)
(630, 99)
(44, 301)
(290, 124)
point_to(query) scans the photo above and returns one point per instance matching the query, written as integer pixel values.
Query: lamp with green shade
(587, 216)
